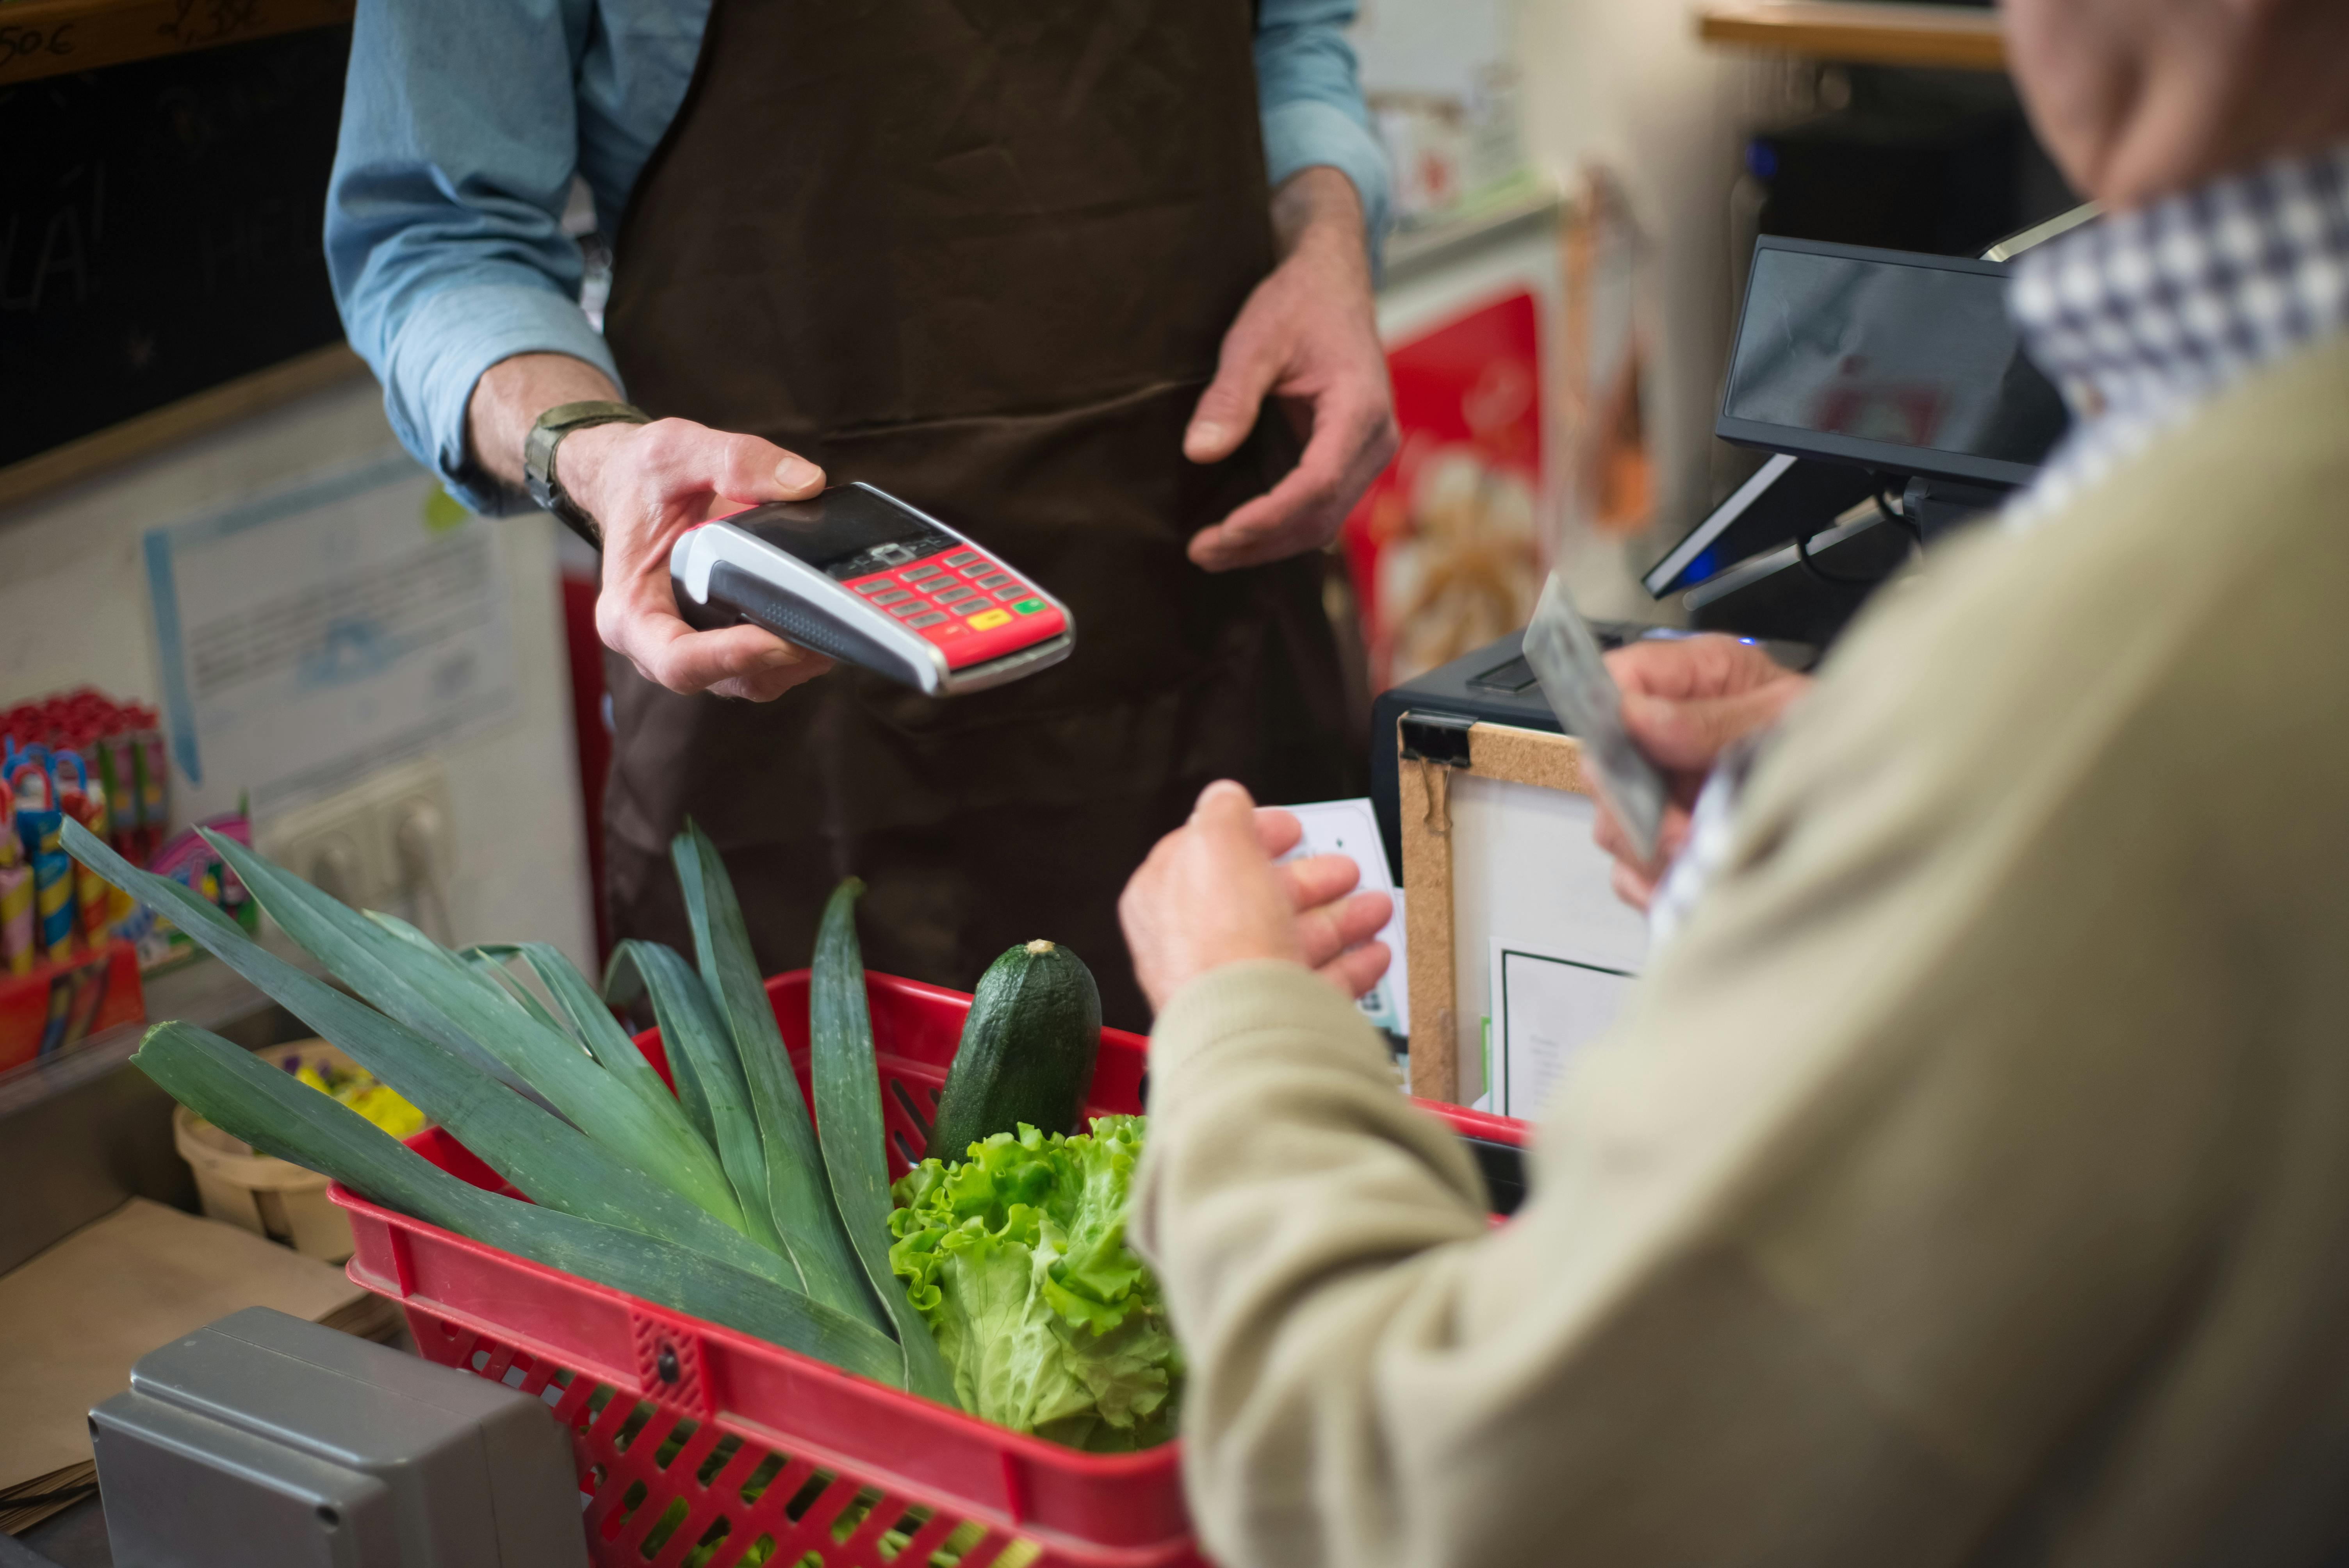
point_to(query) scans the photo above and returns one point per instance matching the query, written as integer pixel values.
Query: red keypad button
(957, 611)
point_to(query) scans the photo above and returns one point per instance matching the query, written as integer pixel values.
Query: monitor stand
(1936, 506)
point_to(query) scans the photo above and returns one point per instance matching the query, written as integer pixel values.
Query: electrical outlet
(386, 842)
(333, 844)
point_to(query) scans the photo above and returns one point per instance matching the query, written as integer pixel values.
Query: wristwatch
(538, 457)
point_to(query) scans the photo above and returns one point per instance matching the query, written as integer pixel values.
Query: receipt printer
(262, 1439)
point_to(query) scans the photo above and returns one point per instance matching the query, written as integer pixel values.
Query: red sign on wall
(1444, 549)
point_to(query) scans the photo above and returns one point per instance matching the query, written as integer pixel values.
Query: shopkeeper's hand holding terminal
(1967, 1180)
(1088, 279)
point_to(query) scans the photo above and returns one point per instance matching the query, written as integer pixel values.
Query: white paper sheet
(1350, 827)
(311, 636)
(1545, 1007)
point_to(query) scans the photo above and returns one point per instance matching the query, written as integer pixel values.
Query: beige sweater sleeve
(1902, 1173)
(1379, 1377)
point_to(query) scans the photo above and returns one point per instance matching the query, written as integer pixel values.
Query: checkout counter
(1892, 394)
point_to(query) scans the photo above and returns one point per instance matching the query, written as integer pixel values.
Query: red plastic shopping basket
(701, 1446)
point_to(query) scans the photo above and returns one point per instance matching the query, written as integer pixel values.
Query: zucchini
(1027, 1051)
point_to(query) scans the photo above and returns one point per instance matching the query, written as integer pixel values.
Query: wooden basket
(267, 1196)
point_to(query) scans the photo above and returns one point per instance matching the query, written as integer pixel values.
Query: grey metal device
(858, 575)
(261, 1438)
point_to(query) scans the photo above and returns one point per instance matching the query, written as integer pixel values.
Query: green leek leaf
(592, 1023)
(436, 995)
(623, 986)
(799, 1195)
(545, 1157)
(697, 1044)
(249, 1099)
(847, 1082)
(485, 961)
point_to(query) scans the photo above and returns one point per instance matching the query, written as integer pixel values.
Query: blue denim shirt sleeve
(464, 123)
(444, 237)
(1312, 102)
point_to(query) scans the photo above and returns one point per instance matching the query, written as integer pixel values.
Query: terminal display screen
(846, 531)
(1888, 360)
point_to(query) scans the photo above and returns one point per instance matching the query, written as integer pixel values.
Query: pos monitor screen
(1890, 360)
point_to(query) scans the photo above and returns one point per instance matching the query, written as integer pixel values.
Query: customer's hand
(647, 484)
(1685, 701)
(1309, 337)
(1210, 895)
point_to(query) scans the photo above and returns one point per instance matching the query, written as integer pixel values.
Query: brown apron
(980, 253)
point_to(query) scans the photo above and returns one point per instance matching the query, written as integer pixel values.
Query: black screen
(1881, 351)
(159, 226)
(846, 533)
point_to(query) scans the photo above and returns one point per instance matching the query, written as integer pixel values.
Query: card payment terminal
(858, 575)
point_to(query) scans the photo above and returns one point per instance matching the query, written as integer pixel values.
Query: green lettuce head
(1016, 1257)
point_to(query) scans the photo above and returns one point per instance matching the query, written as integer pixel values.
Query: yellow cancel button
(988, 620)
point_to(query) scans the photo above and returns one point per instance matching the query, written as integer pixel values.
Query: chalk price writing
(17, 42)
(210, 21)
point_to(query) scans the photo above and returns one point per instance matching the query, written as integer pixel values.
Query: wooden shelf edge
(52, 37)
(174, 422)
(1858, 32)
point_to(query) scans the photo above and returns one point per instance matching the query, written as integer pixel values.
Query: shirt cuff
(442, 350)
(1266, 1003)
(1305, 132)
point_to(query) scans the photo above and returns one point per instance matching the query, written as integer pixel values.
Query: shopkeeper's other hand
(1210, 895)
(643, 485)
(1686, 700)
(1309, 338)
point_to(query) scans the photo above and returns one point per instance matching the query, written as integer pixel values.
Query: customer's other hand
(1211, 894)
(1309, 338)
(647, 484)
(1685, 701)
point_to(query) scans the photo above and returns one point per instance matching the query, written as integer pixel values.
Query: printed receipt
(1349, 828)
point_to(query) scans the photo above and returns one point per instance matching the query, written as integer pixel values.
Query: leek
(698, 1043)
(485, 961)
(436, 995)
(798, 1194)
(623, 986)
(245, 1097)
(547, 1158)
(847, 1082)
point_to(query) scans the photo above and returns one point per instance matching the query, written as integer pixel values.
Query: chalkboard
(159, 230)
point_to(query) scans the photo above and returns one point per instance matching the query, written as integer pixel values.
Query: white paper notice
(314, 635)
(1545, 1007)
(1350, 827)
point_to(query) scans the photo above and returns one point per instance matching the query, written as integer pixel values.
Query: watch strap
(538, 450)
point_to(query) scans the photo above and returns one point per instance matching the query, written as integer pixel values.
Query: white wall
(73, 611)
(1626, 83)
